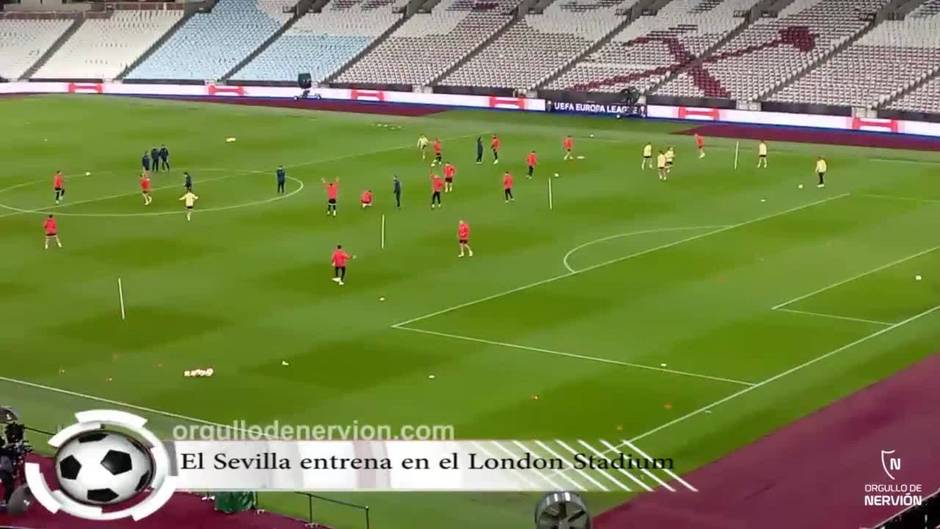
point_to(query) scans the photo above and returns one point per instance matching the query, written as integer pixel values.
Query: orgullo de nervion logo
(895, 491)
(890, 464)
(108, 467)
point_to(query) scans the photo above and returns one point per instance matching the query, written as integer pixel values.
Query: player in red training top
(338, 260)
(366, 199)
(437, 185)
(568, 145)
(495, 144)
(437, 152)
(463, 238)
(332, 195)
(531, 160)
(145, 188)
(52, 231)
(507, 186)
(58, 185)
(700, 143)
(449, 173)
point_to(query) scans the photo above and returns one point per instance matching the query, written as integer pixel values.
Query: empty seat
(24, 41)
(539, 45)
(320, 43)
(428, 44)
(650, 48)
(771, 51)
(208, 45)
(102, 48)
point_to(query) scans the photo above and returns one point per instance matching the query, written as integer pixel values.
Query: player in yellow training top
(647, 156)
(762, 155)
(423, 145)
(821, 168)
(670, 157)
(190, 200)
(661, 165)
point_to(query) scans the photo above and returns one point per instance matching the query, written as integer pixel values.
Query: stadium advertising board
(592, 108)
(891, 126)
(213, 90)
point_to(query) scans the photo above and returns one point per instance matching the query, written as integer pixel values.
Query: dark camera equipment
(15, 498)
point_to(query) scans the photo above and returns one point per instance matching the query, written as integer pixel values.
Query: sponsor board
(285, 92)
(887, 126)
(593, 108)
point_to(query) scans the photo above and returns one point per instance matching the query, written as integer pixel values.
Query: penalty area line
(576, 356)
(856, 276)
(781, 375)
(620, 259)
(835, 317)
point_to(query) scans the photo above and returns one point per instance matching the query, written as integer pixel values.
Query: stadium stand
(86, 55)
(24, 41)
(893, 56)
(928, 9)
(540, 44)
(210, 44)
(923, 99)
(773, 50)
(320, 43)
(428, 44)
(652, 47)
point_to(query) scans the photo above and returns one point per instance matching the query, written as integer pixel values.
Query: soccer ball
(103, 468)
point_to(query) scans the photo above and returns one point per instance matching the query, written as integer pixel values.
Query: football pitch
(689, 317)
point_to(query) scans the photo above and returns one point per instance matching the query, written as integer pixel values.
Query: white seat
(24, 41)
(128, 34)
(210, 44)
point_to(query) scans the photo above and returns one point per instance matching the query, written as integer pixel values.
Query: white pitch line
(575, 356)
(672, 474)
(637, 480)
(835, 317)
(580, 247)
(619, 259)
(21, 211)
(46, 209)
(242, 205)
(601, 471)
(654, 477)
(853, 278)
(109, 401)
(782, 374)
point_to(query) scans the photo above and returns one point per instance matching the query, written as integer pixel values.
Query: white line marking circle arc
(159, 213)
(628, 234)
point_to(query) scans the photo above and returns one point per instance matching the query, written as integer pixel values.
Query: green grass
(246, 284)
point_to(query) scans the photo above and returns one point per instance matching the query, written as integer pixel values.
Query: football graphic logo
(98, 465)
(103, 467)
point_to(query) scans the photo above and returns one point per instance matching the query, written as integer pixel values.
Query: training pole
(382, 236)
(121, 297)
(737, 147)
(550, 204)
